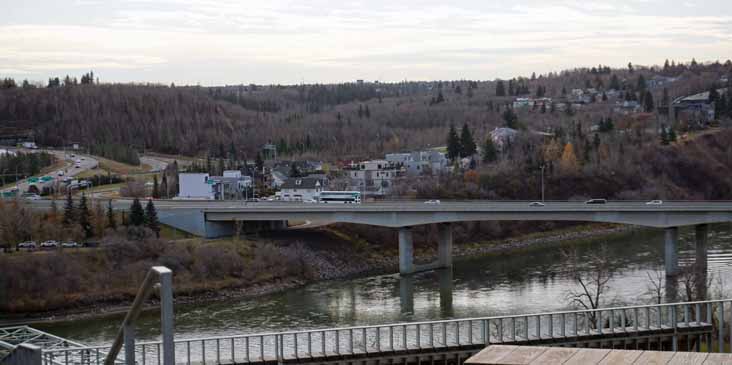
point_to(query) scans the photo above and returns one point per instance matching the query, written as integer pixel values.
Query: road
(69, 168)
(444, 206)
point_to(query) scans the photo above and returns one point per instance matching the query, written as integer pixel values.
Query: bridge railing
(691, 326)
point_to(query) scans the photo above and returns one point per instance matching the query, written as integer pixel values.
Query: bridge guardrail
(690, 326)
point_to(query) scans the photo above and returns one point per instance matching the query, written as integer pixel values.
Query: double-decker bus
(340, 197)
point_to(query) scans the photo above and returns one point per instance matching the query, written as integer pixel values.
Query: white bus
(340, 197)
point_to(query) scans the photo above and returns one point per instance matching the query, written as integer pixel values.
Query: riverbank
(326, 262)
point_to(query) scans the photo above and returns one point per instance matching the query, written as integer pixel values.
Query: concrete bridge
(215, 219)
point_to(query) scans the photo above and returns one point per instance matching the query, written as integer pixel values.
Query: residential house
(374, 177)
(697, 107)
(302, 188)
(419, 162)
(503, 136)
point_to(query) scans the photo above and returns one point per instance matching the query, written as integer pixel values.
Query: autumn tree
(568, 163)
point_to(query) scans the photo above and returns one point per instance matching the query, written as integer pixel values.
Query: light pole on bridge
(542, 181)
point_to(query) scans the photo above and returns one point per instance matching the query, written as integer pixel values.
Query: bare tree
(655, 286)
(592, 278)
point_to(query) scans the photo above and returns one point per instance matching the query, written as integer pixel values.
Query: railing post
(166, 314)
(129, 340)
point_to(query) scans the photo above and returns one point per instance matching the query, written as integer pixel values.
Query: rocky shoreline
(324, 265)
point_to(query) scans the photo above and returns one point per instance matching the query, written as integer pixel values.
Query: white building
(195, 186)
(302, 189)
(374, 177)
(203, 186)
(419, 162)
(503, 136)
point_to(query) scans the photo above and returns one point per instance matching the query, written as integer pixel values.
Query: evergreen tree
(69, 211)
(84, 217)
(648, 102)
(366, 112)
(596, 141)
(440, 98)
(453, 144)
(467, 143)
(500, 88)
(137, 214)
(614, 82)
(360, 111)
(259, 163)
(151, 218)
(664, 135)
(510, 119)
(641, 83)
(156, 188)
(111, 220)
(671, 135)
(164, 186)
(490, 153)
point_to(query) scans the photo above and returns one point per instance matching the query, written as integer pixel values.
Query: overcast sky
(270, 41)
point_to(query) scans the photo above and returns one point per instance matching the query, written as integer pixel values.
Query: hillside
(344, 121)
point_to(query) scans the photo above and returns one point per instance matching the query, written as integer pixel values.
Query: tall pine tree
(453, 144)
(137, 214)
(467, 144)
(111, 220)
(151, 218)
(84, 217)
(490, 153)
(69, 211)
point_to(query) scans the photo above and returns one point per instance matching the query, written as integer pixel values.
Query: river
(527, 282)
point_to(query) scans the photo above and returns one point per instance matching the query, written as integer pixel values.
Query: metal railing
(691, 326)
(126, 335)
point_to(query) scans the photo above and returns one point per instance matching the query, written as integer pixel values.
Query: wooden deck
(531, 355)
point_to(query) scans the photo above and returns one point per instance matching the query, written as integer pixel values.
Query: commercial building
(233, 185)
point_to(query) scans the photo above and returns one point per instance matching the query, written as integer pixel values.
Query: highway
(421, 206)
(69, 168)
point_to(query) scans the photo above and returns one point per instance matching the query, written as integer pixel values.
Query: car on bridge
(536, 204)
(436, 201)
(655, 202)
(596, 201)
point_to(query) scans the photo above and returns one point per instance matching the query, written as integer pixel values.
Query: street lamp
(542, 181)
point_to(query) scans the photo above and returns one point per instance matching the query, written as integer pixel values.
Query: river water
(530, 282)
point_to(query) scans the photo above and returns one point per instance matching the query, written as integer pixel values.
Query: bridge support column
(444, 250)
(702, 232)
(406, 251)
(671, 258)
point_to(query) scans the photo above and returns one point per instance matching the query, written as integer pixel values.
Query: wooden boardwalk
(531, 355)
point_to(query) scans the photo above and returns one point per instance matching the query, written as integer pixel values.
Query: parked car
(536, 204)
(49, 244)
(28, 246)
(70, 244)
(90, 244)
(596, 201)
(310, 201)
(436, 201)
(31, 196)
(60, 173)
(655, 202)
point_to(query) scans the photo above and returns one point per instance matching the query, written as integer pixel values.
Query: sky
(288, 42)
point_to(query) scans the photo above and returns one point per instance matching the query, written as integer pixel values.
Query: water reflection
(531, 282)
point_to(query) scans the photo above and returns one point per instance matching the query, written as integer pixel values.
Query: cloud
(270, 41)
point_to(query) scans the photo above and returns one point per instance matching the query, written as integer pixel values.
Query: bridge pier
(671, 257)
(406, 251)
(702, 232)
(444, 249)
